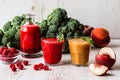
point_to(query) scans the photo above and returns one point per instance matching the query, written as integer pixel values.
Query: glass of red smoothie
(52, 50)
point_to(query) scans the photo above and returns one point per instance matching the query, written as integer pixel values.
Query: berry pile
(8, 55)
(18, 65)
(8, 52)
(21, 64)
(40, 66)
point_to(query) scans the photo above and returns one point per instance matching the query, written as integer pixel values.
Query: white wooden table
(65, 71)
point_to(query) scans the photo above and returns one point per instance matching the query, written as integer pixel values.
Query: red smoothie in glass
(52, 50)
(30, 38)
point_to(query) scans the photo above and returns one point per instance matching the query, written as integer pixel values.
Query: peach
(100, 36)
(87, 30)
(106, 57)
(98, 69)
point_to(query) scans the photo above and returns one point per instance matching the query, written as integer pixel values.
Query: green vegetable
(11, 30)
(7, 26)
(56, 17)
(17, 35)
(73, 25)
(58, 23)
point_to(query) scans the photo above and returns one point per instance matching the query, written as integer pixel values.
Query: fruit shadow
(115, 67)
(65, 62)
(107, 74)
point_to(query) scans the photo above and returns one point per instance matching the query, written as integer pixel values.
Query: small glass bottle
(30, 38)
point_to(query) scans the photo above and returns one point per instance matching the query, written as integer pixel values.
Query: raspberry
(12, 65)
(13, 50)
(25, 62)
(5, 52)
(21, 67)
(13, 69)
(46, 67)
(18, 63)
(36, 67)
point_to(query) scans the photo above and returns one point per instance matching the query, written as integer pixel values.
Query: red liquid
(30, 38)
(52, 50)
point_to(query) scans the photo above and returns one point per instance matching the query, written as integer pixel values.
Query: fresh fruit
(100, 36)
(36, 67)
(21, 67)
(46, 67)
(98, 69)
(106, 56)
(12, 65)
(8, 55)
(87, 30)
(25, 62)
(13, 69)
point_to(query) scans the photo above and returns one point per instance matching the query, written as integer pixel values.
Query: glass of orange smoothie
(79, 51)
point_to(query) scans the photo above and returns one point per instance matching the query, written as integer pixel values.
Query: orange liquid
(79, 50)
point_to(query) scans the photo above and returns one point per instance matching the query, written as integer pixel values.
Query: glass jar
(30, 38)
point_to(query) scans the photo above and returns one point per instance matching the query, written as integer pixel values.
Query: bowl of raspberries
(8, 55)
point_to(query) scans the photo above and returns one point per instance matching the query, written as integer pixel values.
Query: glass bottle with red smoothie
(30, 38)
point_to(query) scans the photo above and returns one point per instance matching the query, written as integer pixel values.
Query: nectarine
(106, 56)
(98, 69)
(87, 30)
(100, 36)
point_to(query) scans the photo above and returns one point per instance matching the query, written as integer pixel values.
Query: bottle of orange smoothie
(79, 51)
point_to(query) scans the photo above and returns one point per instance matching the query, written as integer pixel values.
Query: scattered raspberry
(25, 62)
(36, 67)
(13, 69)
(41, 65)
(21, 67)
(46, 67)
(18, 63)
(12, 65)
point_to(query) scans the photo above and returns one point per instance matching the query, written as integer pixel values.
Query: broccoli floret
(16, 25)
(73, 24)
(53, 28)
(10, 33)
(5, 40)
(50, 34)
(81, 27)
(77, 34)
(44, 24)
(17, 35)
(43, 27)
(7, 26)
(17, 19)
(69, 35)
(57, 16)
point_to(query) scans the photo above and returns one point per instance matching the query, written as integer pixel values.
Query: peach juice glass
(79, 51)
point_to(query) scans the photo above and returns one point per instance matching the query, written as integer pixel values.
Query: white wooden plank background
(97, 13)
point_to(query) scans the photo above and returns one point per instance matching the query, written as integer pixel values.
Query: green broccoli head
(10, 33)
(78, 34)
(17, 19)
(17, 35)
(73, 24)
(5, 40)
(43, 27)
(50, 34)
(7, 26)
(57, 16)
(53, 28)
